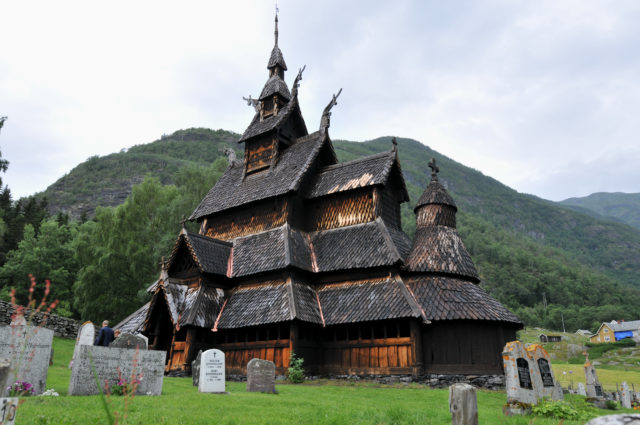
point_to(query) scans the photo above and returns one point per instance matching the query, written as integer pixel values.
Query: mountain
(544, 260)
(622, 207)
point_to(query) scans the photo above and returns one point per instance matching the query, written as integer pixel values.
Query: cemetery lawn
(318, 402)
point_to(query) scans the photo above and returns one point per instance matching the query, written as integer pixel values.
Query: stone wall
(61, 326)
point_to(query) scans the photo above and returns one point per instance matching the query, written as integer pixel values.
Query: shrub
(579, 411)
(296, 371)
(576, 360)
(611, 404)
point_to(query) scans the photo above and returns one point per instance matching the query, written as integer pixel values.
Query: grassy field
(311, 403)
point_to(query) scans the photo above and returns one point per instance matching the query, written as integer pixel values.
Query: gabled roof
(211, 255)
(232, 190)
(446, 298)
(362, 172)
(275, 85)
(256, 305)
(273, 122)
(625, 326)
(439, 249)
(365, 300)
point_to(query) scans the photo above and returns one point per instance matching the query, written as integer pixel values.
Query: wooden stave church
(298, 253)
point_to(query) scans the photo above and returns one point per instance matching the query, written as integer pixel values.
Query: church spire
(275, 33)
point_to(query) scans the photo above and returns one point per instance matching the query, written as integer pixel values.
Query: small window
(607, 338)
(606, 330)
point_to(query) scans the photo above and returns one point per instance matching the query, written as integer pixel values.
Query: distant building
(615, 331)
(583, 332)
(550, 338)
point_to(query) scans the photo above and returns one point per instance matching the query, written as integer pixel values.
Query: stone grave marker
(8, 410)
(463, 404)
(622, 419)
(128, 340)
(581, 389)
(30, 347)
(543, 374)
(212, 373)
(518, 379)
(107, 361)
(5, 369)
(195, 369)
(86, 336)
(594, 389)
(625, 396)
(261, 376)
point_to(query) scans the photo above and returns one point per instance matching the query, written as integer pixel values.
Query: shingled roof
(256, 305)
(272, 122)
(275, 85)
(232, 190)
(211, 255)
(134, 323)
(439, 249)
(435, 193)
(201, 306)
(447, 298)
(357, 246)
(365, 300)
(276, 59)
(362, 172)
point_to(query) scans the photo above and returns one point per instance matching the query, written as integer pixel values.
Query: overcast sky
(542, 95)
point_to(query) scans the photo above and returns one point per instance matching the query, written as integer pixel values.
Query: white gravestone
(625, 396)
(212, 374)
(463, 404)
(581, 389)
(86, 336)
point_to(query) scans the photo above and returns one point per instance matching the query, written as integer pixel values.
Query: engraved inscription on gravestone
(261, 376)
(545, 373)
(524, 375)
(212, 374)
(598, 390)
(8, 408)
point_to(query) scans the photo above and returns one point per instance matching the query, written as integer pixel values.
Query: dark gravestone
(127, 340)
(545, 373)
(524, 375)
(195, 369)
(261, 376)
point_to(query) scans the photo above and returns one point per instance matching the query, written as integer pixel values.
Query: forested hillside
(623, 207)
(528, 251)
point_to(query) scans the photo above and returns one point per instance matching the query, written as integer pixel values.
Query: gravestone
(107, 360)
(518, 379)
(463, 404)
(212, 374)
(261, 376)
(623, 419)
(625, 396)
(195, 369)
(543, 376)
(128, 340)
(86, 336)
(30, 348)
(581, 389)
(8, 410)
(5, 370)
(594, 389)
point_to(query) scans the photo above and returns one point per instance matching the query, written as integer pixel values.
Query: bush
(578, 411)
(611, 404)
(296, 371)
(597, 350)
(576, 360)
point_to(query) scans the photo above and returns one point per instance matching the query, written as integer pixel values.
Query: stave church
(299, 253)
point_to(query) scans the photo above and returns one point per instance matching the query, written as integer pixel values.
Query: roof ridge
(209, 239)
(353, 161)
(387, 238)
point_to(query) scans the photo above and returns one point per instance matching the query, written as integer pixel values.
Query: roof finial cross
(434, 169)
(276, 31)
(183, 221)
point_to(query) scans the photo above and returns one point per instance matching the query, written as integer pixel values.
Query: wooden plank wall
(342, 209)
(237, 355)
(263, 216)
(377, 356)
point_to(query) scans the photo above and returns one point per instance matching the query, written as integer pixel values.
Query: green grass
(321, 402)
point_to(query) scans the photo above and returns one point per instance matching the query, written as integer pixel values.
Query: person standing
(105, 336)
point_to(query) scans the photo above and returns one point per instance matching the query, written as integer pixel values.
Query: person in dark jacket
(105, 336)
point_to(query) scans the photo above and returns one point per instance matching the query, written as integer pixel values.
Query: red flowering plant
(124, 387)
(33, 312)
